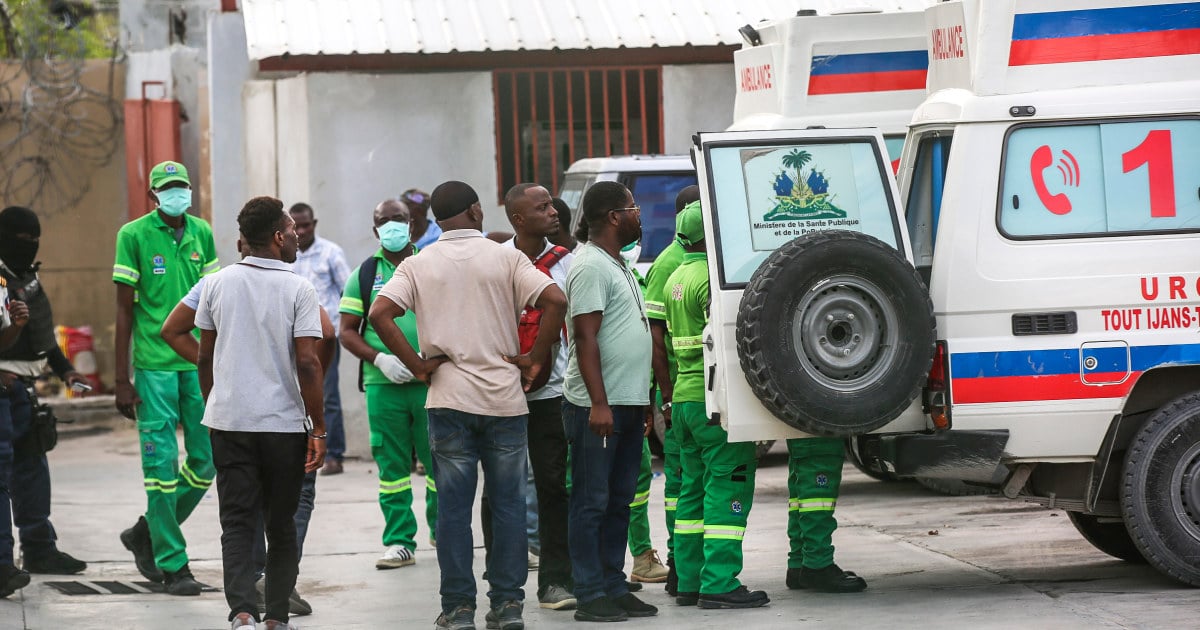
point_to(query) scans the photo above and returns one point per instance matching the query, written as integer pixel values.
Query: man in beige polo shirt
(468, 293)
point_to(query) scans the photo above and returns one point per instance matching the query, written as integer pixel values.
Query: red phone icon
(1043, 158)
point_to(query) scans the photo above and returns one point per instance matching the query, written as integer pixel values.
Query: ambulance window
(924, 204)
(572, 189)
(655, 193)
(768, 194)
(1101, 178)
(894, 144)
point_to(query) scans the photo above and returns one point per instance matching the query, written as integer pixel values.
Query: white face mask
(632, 252)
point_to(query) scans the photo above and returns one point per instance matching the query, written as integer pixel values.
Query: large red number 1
(1155, 153)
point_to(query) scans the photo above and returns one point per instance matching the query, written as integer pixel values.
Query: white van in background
(654, 181)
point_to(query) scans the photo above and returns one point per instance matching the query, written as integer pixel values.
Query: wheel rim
(1185, 491)
(845, 333)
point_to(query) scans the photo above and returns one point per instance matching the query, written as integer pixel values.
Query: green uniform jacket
(686, 309)
(161, 271)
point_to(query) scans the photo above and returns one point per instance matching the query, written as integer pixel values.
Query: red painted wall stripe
(866, 82)
(1031, 388)
(1101, 47)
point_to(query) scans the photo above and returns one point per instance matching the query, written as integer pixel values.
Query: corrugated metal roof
(340, 27)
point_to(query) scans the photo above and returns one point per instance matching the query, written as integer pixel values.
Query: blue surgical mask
(174, 201)
(394, 236)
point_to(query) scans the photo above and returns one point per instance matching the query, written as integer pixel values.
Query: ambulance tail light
(937, 390)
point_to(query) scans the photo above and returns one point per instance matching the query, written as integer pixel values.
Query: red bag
(531, 318)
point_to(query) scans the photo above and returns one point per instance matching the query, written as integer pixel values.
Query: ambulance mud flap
(835, 333)
(960, 455)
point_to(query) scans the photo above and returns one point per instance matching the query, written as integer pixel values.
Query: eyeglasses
(637, 209)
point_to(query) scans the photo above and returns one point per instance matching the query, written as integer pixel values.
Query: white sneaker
(395, 557)
(534, 560)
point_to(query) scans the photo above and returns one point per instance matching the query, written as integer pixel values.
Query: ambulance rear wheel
(1109, 536)
(835, 333)
(1160, 490)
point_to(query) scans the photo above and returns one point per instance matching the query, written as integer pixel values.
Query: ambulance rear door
(760, 190)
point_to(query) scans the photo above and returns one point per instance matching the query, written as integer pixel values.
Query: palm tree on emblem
(797, 159)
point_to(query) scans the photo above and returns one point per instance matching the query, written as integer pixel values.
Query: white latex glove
(393, 368)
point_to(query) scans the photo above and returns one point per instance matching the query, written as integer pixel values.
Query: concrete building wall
(227, 122)
(695, 98)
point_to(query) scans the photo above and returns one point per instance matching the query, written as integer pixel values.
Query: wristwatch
(665, 407)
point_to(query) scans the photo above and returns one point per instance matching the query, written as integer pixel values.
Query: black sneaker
(12, 580)
(506, 616)
(461, 618)
(739, 597)
(635, 607)
(600, 609)
(137, 540)
(687, 599)
(831, 579)
(672, 586)
(54, 563)
(181, 582)
(633, 586)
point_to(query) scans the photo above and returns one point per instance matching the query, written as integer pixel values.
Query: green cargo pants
(399, 424)
(672, 476)
(639, 508)
(169, 400)
(814, 477)
(715, 498)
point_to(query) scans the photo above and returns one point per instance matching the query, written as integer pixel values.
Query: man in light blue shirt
(323, 263)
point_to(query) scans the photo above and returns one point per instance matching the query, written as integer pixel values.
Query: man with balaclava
(24, 471)
(395, 400)
(160, 256)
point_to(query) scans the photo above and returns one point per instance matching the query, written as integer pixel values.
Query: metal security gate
(547, 119)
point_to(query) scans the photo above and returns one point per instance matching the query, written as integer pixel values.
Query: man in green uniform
(159, 257)
(647, 567)
(814, 476)
(395, 400)
(663, 363)
(718, 475)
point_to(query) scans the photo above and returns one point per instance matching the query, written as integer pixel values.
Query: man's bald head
(389, 210)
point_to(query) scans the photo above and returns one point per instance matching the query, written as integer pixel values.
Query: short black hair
(260, 219)
(451, 199)
(300, 206)
(686, 196)
(563, 210)
(601, 198)
(515, 193)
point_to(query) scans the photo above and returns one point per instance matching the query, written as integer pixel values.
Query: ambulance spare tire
(835, 333)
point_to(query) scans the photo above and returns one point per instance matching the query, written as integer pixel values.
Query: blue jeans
(335, 446)
(24, 481)
(460, 443)
(603, 482)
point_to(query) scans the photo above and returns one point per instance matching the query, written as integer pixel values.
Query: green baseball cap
(689, 225)
(164, 173)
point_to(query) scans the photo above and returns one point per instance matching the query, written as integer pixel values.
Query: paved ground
(931, 561)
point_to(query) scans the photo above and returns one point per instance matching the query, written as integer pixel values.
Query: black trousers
(259, 473)
(548, 454)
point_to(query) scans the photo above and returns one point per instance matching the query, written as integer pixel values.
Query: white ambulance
(835, 66)
(1051, 185)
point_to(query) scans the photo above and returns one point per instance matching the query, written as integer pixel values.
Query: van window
(572, 190)
(924, 204)
(768, 194)
(1101, 178)
(655, 193)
